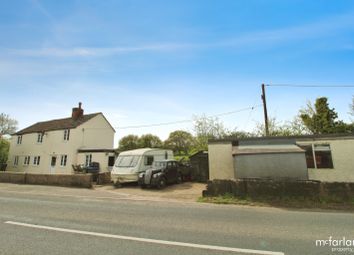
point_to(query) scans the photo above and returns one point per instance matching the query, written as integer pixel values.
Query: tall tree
(4, 150)
(150, 141)
(7, 125)
(321, 119)
(180, 142)
(352, 107)
(206, 128)
(129, 142)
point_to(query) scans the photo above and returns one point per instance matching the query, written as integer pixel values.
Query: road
(51, 220)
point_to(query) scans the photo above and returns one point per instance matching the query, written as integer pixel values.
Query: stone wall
(79, 180)
(104, 178)
(257, 188)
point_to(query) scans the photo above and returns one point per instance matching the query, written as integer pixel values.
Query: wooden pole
(265, 111)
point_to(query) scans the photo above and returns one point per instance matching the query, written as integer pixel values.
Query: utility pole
(265, 111)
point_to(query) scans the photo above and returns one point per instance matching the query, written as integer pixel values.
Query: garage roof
(266, 149)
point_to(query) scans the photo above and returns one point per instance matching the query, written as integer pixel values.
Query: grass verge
(287, 202)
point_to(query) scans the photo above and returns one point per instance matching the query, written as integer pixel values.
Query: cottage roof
(57, 124)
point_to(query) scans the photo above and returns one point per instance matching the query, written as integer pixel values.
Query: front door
(53, 162)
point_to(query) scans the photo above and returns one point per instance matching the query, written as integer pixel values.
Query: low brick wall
(18, 178)
(77, 180)
(257, 188)
(104, 178)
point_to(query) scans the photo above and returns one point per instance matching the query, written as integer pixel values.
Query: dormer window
(40, 138)
(19, 139)
(66, 134)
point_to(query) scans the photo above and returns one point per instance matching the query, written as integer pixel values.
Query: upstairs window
(318, 156)
(19, 139)
(39, 137)
(27, 160)
(36, 160)
(63, 160)
(66, 134)
(16, 161)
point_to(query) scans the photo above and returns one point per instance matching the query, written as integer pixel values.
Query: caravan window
(148, 160)
(127, 161)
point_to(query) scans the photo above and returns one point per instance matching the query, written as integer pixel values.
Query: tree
(149, 141)
(206, 128)
(238, 134)
(180, 142)
(4, 150)
(352, 107)
(129, 142)
(276, 128)
(320, 119)
(7, 125)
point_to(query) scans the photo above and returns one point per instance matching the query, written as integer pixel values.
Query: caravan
(130, 163)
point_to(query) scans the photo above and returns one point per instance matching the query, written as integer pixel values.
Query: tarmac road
(52, 220)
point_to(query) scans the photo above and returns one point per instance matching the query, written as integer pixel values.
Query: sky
(144, 62)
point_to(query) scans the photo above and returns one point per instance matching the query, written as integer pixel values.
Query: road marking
(146, 240)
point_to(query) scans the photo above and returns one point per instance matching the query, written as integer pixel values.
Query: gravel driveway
(187, 191)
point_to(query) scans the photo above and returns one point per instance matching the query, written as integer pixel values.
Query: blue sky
(151, 61)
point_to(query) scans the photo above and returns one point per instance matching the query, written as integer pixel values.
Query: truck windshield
(127, 161)
(159, 164)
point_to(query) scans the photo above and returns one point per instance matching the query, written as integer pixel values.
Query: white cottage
(55, 146)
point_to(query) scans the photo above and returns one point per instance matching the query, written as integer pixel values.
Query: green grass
(290, 202)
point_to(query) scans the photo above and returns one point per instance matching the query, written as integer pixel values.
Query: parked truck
(130, 164)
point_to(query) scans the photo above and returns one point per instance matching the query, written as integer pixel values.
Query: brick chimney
(78, 112)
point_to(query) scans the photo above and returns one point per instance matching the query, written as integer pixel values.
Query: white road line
(147, 240)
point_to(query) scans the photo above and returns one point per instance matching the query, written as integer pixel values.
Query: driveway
(187, 191)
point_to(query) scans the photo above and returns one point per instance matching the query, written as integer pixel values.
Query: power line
(309, 86)
(188, 120)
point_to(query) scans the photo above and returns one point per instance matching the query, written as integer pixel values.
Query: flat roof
(279, 138)
(266, 149)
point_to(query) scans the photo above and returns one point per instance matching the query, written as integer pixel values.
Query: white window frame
(27, 160)
(16, 159)
(313, 148)
(36, 160)
(66, 134)
(19, 139)
(40, 138)
(63, 160)
(88, 159)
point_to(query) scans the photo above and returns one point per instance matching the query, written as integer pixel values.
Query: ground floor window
(27, 160)
(16, 161)
(88, 159)
(63, 160)
(318, 155)
(111, 160)
(36, 160)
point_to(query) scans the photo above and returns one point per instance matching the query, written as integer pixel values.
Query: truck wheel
(162, 183)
